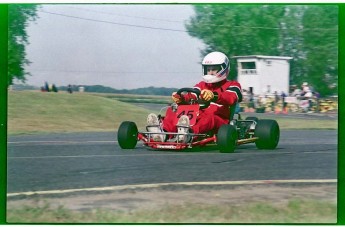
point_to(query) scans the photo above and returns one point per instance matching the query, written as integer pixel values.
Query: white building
(263, 74)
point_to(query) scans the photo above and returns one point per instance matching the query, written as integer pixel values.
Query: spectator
(296, 91)
(283, 96)
(305, 88)
(309, 96)
(245, 95)
(276, 101)
(251, 104)
(316, 94)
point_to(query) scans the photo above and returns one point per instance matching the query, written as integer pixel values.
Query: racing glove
(176, 98)
(208, 95)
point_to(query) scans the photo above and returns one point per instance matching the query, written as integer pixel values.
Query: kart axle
(249, 140)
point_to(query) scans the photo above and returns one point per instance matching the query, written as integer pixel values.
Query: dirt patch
(130, 200)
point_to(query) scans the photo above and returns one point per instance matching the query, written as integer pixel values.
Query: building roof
(264, 56)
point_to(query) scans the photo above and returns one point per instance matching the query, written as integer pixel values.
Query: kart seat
(233, 112)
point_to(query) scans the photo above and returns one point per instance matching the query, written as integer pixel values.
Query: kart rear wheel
(127, 135)
(268, 134)
(227, 138)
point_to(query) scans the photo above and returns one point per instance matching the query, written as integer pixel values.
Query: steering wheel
(188, 89)
(203, 104)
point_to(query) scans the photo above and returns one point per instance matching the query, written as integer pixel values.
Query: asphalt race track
(95, 160)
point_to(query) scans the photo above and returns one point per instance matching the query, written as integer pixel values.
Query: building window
(248, 68)
(248, 65)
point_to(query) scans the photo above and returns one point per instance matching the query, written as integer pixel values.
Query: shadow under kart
(264, 133)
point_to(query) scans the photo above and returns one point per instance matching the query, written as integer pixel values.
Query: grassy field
(40, 112)
(295, 211)
(295, 123)
(136, 98)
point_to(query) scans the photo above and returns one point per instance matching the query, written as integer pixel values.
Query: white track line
(143, 186)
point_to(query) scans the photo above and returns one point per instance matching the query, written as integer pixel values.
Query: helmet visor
(212, 69)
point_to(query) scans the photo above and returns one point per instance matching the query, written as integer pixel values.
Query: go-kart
(264, 133)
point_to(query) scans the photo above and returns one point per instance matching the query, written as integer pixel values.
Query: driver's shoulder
(201, 85)
(232, 82)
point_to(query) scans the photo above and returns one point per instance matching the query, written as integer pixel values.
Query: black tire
(227, 138)
(127, 135)
(252, 119)
(268, 133)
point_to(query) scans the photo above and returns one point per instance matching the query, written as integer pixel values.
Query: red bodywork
(175, 145)
(192, 111)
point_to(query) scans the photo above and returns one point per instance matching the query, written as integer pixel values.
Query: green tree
(291, 41)
(320, 36)
(19, 15)
(308, 33)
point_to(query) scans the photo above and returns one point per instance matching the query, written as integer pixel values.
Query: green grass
(132, 98)
(295, 211)
(41, 112)
(38, 112)
(298, 123)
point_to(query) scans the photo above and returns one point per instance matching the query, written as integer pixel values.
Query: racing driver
(214, 88)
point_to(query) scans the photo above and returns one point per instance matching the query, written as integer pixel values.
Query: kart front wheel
(127, 135)
(227, 138)
(268, 134)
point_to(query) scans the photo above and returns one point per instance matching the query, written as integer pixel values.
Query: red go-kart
(264, 133)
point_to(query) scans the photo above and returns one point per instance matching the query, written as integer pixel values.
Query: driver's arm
(231, 95)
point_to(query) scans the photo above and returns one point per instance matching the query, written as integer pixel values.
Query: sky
(113, 45)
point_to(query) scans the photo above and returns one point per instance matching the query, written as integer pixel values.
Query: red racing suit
(218, 113)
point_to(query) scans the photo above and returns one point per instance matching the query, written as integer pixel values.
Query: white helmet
(215, 58)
